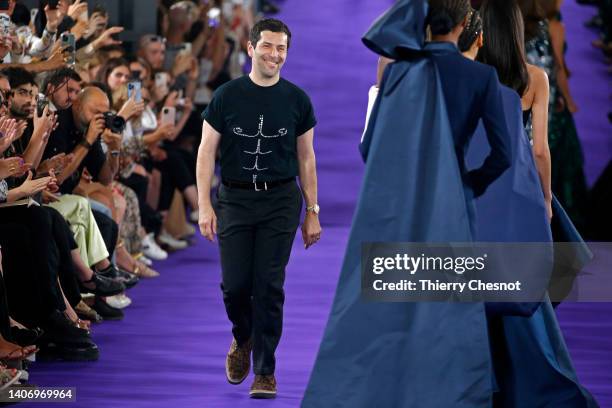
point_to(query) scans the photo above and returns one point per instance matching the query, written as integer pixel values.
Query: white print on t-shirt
(281, 132)
(258, 152)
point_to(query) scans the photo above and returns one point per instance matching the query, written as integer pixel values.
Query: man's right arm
(204, 172)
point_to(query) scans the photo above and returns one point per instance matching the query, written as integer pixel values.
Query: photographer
(81, 131)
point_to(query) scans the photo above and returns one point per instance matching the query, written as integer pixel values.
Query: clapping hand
(13, 167)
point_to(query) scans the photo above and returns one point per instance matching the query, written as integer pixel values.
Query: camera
(114, 123)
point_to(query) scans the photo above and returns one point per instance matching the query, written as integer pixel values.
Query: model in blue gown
(416, 188)
(430, 354)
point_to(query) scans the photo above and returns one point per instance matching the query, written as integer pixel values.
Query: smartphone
(186, 48)
(41, 104)
(69, 42)
(168, 116)
(134, 88)
(53, 4)
(214, 17)
(180, 99)
(161, 79)
(4, 5)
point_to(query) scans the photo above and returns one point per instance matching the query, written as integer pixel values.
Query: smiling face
(269, 54)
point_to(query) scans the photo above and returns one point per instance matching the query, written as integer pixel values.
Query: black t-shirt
(64, 139)
(259, 127)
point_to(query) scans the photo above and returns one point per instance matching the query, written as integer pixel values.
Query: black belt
(256, 186)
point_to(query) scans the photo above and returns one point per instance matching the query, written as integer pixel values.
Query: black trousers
(65, 243)
(151, 220)
(30, 260)
(177, 173)
(256, 230)
(108, 229)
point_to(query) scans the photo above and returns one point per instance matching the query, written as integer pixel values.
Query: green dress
(568, 180)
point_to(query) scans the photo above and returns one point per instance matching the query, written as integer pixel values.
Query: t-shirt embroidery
(259, 128)
(258, 153)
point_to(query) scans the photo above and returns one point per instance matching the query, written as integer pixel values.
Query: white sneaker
(120, 301)
(172, 242)
(152, 250)
(194, 217)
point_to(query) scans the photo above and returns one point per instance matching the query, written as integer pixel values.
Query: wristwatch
(85, 144)
(314, 209)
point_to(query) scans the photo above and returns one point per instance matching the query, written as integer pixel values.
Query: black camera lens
(114, 123)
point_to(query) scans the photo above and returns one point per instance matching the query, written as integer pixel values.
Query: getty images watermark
(490, 272)
(450, 264)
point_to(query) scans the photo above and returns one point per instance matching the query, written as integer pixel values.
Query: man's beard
(267, 71)
(20, 114)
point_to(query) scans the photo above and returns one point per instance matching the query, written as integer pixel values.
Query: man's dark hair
(21, 15)
(19, 76)
(269, 24)
(504, 43)
(471, 32)
(444, 15)
(60, 77)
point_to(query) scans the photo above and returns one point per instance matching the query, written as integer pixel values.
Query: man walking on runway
(263, 127)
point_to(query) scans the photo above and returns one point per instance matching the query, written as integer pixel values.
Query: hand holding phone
(168, 116)
(135, 90)
(68, 42)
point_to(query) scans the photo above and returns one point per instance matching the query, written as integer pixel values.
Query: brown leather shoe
(264, 386)
(238, 362)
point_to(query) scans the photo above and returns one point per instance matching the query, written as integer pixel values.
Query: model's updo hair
(471, 31)
(444, 15)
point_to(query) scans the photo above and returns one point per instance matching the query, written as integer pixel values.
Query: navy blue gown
(532, 364)
(436, 354)
(413, 354)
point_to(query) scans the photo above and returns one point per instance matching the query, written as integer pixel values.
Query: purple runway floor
(170, 348)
